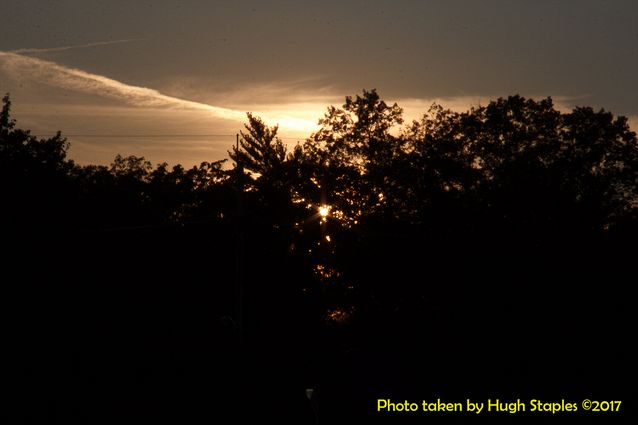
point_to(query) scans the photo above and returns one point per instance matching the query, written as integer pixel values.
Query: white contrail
(53, 74)
(77, 46)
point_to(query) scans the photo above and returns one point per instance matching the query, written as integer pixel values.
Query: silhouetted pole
(239, 246)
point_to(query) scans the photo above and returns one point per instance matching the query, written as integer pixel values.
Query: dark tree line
(516, 170)
(498, 216)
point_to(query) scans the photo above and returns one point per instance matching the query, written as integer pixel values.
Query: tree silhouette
(261, 151)
(369, 243)
(34, 177)
(350, 152)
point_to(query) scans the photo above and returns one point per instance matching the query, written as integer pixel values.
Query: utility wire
(120, 136)
(147, 135)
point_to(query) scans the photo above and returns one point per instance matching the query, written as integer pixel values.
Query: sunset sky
(101, 71)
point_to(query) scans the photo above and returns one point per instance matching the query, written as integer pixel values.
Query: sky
(172, 80)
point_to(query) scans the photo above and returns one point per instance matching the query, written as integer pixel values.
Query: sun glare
(324, 210)
(298, 126)
(295, 119)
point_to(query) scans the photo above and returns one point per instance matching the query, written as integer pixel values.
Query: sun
(324, 210)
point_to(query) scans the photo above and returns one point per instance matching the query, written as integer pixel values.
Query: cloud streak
(53, 74)
(76, 46)
(50, 73)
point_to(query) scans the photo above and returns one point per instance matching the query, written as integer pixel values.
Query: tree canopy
(516, 170)
(370, 233)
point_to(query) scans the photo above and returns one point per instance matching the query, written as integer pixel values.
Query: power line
(127, 136)
(140, 135)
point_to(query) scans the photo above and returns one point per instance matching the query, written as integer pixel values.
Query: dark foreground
(136, 326)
